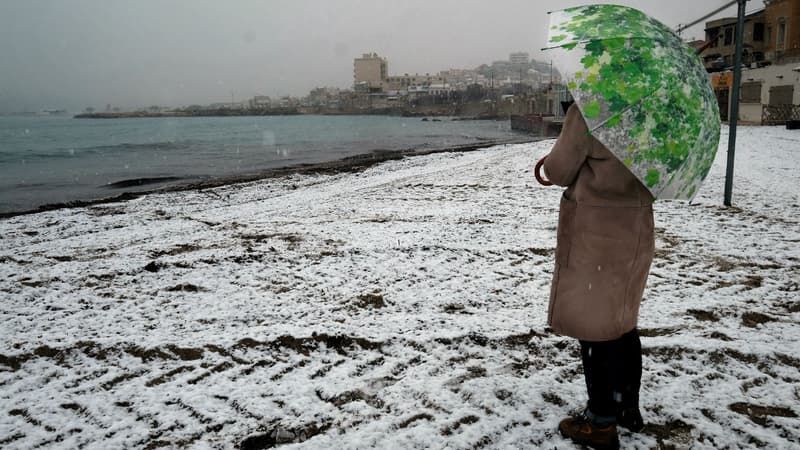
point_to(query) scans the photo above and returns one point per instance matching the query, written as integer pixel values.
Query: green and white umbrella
(643, 92)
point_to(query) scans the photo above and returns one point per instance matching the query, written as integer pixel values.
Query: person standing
(605, 245)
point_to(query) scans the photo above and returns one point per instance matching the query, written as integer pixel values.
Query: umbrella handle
(538, 175)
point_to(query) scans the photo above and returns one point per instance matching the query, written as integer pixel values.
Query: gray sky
(77, 53)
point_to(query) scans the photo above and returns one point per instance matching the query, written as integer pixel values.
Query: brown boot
(583, 431)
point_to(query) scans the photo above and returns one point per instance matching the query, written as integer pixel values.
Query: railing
(779, 114)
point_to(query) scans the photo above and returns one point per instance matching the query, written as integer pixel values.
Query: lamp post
(734, 118)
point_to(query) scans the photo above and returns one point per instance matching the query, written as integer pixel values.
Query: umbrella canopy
(643, 92)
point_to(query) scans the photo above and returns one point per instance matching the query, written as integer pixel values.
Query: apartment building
(782, 29)
(771, 36)
(414, 82)
(370, 73)
(722, 35)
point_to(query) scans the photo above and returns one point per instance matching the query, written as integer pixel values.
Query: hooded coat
(605, 240)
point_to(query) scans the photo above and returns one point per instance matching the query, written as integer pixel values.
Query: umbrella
(643, 92)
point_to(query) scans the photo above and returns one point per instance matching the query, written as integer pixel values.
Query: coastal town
(529, 91)
(516, 85)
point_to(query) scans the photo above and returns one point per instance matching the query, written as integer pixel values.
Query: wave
(82, 152)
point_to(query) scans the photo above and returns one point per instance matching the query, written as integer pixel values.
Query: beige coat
(605, 238)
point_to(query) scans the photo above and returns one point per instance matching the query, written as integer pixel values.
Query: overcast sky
(78, 53)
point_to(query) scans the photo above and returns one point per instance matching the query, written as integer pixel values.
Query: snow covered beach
(403, 306)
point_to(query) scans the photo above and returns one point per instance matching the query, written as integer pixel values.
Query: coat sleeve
(571, 149)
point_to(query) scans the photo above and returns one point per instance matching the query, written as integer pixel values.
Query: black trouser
(613, 372)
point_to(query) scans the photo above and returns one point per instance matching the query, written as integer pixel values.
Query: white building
(260, 101)
(768, 91)
(520, 58)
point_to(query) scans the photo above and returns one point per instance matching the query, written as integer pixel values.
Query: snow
(403, 306)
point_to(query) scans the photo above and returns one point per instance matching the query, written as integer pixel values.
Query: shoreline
(355, 163)
(392, 112)
(466, 110)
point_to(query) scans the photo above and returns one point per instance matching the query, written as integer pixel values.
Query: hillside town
(530, 92)
(516, 85)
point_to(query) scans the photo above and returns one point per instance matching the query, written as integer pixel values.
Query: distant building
(323, 97)
(375, 88)
(782, 29)
(722, 35)
(260, 102)
(226, 105)
(459, 79)
(288, 101)
(370, 72)
(771, 36)
(408, 82)
(770, 95)
(501, 66)
(520, 58)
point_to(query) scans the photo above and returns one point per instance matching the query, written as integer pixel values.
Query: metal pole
(553, 108)
(734, 119)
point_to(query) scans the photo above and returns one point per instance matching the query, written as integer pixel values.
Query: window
(758, 32)
(713, 36)
(728, 36)
(781, 95)
(781, 45)
(751, 92)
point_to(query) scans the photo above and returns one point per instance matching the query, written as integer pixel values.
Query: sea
(47, 160)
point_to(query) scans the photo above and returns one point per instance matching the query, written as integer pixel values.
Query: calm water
(47, 160)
